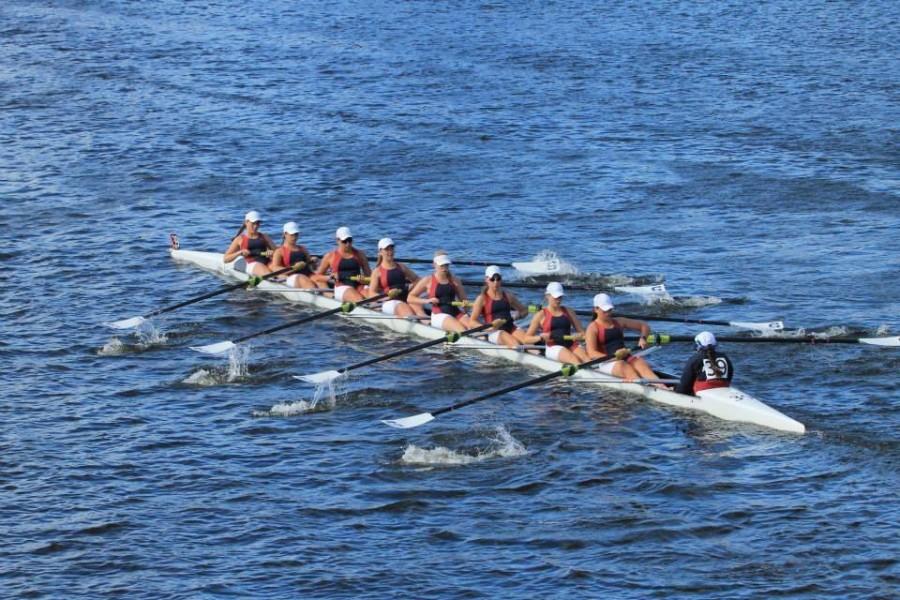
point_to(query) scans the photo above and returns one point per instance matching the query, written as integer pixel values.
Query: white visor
(442, 259)
(252, 216)
(384, 243)
(491, 271)
(343, 233)
(291, 227)
(555, 289)
(603, 302)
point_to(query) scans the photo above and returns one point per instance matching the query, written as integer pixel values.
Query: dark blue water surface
(746, 153)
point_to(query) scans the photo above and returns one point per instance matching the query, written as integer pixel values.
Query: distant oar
(451, 337)
(894, 341)
(657, 289)
(250, 283)
(567, 370)
(761, 327)
(535, 267)
(346, 307)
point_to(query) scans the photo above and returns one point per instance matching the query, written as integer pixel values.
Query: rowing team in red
(556, 326)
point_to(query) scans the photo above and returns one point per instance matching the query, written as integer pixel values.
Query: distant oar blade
(132, 323)
(657, 290)
(537, 267)
(217, 348)
(762, 327)
(881, 341)
(409, 422)
(321, 377)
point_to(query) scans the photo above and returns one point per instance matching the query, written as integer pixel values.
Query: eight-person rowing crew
(345, 274)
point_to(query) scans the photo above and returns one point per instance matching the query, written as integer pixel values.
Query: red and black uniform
(394, 279)
(446, 295)
(499, 309)
(699, 375)
(558, 328)
(292, 256)
(256, 246)
(343, 269)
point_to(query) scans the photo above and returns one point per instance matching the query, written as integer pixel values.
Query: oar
(567, 370)
(893, 341)
(761, 327)
(658, 289)
(451, 337)
(535, 267)
(346, 307)
(252, 282)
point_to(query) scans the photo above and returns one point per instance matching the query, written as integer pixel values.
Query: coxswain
(496, 303)
(250, 251)
(289, 254)
(606, 335)
(556, 323)
(346, 267)
(445, 293)
(707, 368)
(389, 274)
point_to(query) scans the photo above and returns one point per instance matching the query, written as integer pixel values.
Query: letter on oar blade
(217, 348)
(409, 422)
(131, 323)
(538, 267)
(881, 341)
(320, 377)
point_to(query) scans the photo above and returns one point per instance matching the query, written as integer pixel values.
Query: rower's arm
(688, 376)
(375, 282)
(517, 305)
(324, 264)
(636, 325)
(460, 290)
(414, 296)
(575, 321)
(367, 271)
(477, 307)
(411, 275)
(276, 261)
(591, 342)
(234, 250)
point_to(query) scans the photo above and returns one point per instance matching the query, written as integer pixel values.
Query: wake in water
(238, 369)
(502, 445)
(325, 398)
(148, 336)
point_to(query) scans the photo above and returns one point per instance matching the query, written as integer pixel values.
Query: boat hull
(729, 404)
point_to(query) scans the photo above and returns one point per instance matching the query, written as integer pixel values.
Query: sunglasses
(347, 241)
(386, 248)
(496, 278)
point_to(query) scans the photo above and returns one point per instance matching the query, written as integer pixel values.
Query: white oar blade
(537, 267)
(217, 348)
(132, 323)
(321, 377)
(881, 341)
(409, 422)
(762, 327)
(658, 289)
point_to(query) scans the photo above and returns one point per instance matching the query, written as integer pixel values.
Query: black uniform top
(698, 373)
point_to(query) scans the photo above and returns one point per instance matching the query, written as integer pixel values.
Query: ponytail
(711, 357)
(241, 230)
(378, 260)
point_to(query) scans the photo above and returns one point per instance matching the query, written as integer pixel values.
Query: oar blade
(321, 377)
(409, 422)
(217, 348)
(657, 290)
(537, 267)
(130, 323)
(761, 327)
(881, 341)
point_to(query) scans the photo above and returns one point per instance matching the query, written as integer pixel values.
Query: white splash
(286, 409)
(503, 445)
(238, 365)
(113, 347)
(203, 377)
(325, 398)
(690, 301)
(149, 334)
(565, 268)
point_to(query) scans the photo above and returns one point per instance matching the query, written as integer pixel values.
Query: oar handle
(346, 307)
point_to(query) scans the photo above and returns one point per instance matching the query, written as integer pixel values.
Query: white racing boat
(729, 404)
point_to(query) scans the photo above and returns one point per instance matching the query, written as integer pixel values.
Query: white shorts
(340, 290)
(607, 367)
(552, 352)
(292, 280)
(243, 266)
(494, 337)
(437, 319)
(390, 307)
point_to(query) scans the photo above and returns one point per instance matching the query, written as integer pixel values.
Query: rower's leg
(259, 269)
(581, 353)
(403, 310)
(567, 356)
(624, 370)
(302, 281)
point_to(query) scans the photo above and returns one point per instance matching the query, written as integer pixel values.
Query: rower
(556, 322)
(389, 274)
(444, 292)
(606, 335)
(496, 303)
(290, 253)
(707, 368)
(346, 266)
(250, 251)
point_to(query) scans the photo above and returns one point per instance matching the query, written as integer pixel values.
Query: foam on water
(205, 377)
(238, 365)
(325, 398)
(114, 347)
(503, 445)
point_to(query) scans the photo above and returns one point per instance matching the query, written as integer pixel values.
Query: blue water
(747, 154)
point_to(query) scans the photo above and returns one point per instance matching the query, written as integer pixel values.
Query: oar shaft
(538, 286)
(411, 349)
(467, 263)
(332, 311)
(207, 296)
(808, 339)
(671, 319)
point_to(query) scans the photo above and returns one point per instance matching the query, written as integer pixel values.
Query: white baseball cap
(252, 216)
(291, 227)
(603, 302)
(343, 233)
(555, 289)
(384, 243)
(442, 259)
(704, 339)
(491, 271)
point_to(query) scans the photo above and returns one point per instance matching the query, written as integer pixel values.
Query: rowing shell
(729, 404)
